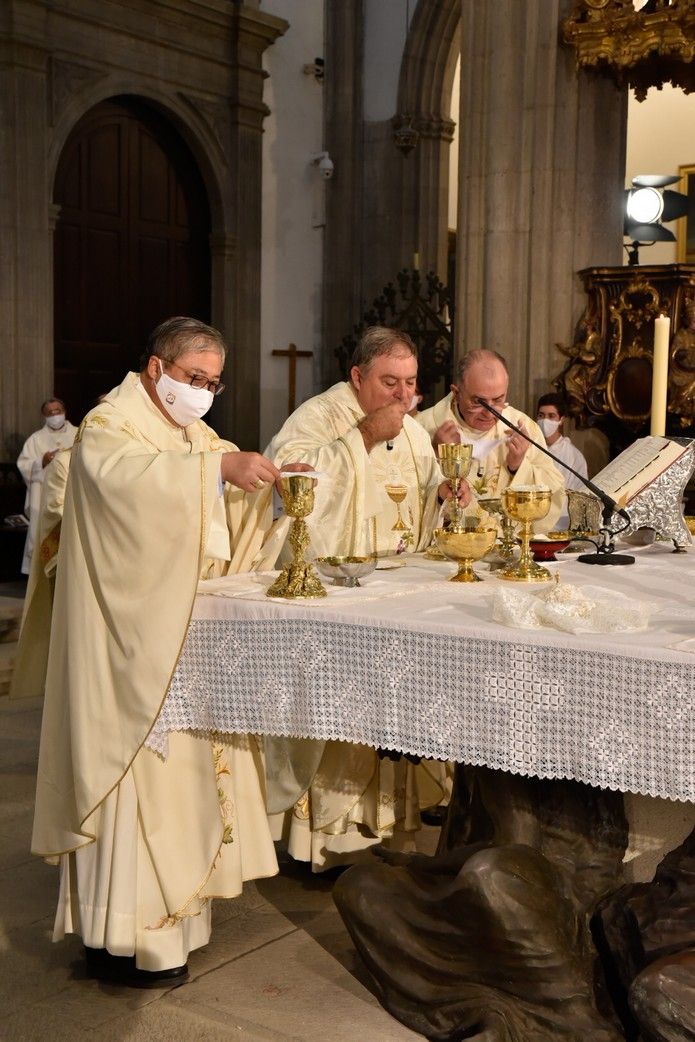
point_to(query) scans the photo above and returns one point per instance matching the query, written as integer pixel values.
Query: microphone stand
(605, 550)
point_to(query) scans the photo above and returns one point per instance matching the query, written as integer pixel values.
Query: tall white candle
(416, 261)
(662, 326)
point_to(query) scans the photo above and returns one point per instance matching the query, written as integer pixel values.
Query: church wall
(200, 63)
(294, 207)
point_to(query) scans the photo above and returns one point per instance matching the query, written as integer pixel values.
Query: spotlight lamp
(648, 205)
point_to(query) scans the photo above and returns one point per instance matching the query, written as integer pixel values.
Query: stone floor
(280, 965)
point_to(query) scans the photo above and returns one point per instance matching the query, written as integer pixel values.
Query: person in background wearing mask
(550, 413)
(39, 449)
(144, 840)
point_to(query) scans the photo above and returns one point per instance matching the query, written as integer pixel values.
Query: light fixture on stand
(648, 205)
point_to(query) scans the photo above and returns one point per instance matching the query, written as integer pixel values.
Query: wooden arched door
(131, 245)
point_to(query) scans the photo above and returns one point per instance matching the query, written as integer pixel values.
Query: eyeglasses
(198, 381)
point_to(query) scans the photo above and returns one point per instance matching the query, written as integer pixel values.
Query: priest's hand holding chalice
(297, 580)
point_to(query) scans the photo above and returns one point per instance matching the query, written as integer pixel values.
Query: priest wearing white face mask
(39, 449)
(154, 501)
(550, 415)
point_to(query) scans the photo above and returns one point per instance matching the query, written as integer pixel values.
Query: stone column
(238, 413)
(541, 175)
(342, 265)
(25, 245)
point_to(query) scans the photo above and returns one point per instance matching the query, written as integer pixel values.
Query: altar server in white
(154, 501)
(37, 452)
(501, 457)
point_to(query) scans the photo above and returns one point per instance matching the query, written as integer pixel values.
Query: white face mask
(184, 403)
(549, 427)
(56, 422)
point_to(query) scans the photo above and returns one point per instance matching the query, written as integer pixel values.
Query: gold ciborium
(297, 579)
(397, 494)
(465, 546)
(525, 504)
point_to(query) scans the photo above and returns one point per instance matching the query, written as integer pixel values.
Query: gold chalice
(298, 579)
(465, 546)
(397, 494)
(525, 504)
(507, 544)
(455, 461)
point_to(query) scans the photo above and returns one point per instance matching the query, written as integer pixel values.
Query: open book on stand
(638, 466)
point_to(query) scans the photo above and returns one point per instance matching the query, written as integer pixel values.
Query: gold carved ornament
(640, 48)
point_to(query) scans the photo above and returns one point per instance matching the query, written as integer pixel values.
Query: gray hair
(380, 340)
(480, 355)
(49, 401)
(179, 336)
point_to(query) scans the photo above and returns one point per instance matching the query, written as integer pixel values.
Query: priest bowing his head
(501, 456)
(145, 835)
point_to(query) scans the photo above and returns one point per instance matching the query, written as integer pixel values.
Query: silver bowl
(345, 571)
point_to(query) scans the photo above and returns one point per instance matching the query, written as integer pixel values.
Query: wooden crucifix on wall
(292, 354)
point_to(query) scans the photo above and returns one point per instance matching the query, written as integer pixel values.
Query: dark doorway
(131, 245)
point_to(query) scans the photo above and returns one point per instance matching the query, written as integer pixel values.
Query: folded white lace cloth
(586, 609)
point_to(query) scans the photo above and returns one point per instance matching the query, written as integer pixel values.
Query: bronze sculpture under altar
(519, 929)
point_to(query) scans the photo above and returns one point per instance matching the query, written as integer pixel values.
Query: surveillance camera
(325, 165)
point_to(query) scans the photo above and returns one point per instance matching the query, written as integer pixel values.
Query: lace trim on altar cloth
(617, 721)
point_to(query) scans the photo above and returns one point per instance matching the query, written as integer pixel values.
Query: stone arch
(424, 104)
(133, 233)
(191, 116)
(204, 126)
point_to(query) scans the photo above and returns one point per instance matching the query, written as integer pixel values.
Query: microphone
(609, 504)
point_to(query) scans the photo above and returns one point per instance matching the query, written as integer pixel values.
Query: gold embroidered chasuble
(353, 513)
(489, 475)
(142, 512)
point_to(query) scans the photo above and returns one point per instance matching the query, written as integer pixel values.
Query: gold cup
(465, 547)
(297, 580)
(455, 461)
(526, 505)
(397, 494)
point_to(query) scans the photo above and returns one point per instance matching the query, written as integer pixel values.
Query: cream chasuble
(355, 799)
(489, 475)
(144, 842)
(352, 511)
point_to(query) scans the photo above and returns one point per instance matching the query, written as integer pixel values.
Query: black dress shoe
(434, 815)
(121, 969)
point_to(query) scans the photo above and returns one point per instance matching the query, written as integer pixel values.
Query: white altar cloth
(414, 663)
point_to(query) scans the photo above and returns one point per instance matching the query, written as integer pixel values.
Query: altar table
(414, 663)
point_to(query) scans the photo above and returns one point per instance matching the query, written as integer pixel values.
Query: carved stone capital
(223, 245)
